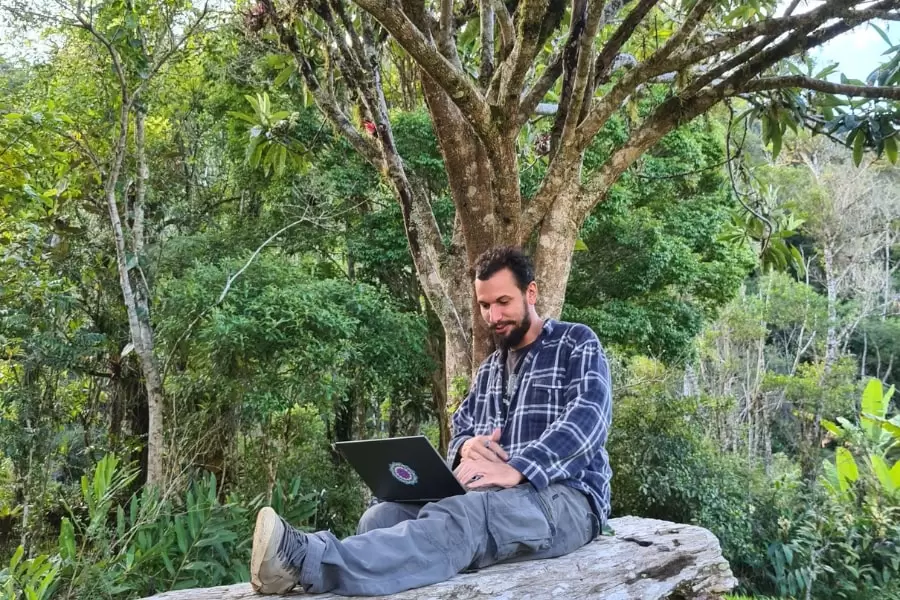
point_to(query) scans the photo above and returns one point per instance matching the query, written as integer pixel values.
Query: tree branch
(359, 48)
(487, 44)
(810, 83)
(573, 68)
(533, 97)
(457, 84)
(228, 283)
(507, 28)
(512, 71)
(164, 58)
(622, 34)
(791, 45)
(769, 27)
(351, 61)
(664, 119)
(445, 32)
(326, 102)
(655, 65)
(684, 33)
(872, 13)
(118, 69)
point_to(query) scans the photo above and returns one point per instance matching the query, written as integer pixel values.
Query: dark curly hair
(505, 257)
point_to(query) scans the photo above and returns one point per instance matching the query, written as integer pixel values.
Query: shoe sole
(266, 521)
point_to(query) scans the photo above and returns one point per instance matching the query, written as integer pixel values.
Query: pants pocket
(517, 522)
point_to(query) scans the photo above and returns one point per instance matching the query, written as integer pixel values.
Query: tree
(854, 253)
(654, 268)
(485, 70)
(138, 40)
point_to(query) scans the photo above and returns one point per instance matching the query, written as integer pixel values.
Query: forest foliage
(744, 282)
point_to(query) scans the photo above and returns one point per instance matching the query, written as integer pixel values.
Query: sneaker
(278, 553)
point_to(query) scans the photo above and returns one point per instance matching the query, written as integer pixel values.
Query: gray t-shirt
(514, 360)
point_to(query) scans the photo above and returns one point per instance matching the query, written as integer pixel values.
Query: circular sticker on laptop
(403, 474)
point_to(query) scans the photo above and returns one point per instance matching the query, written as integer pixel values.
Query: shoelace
(292, 548)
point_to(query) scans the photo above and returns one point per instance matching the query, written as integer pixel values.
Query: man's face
(504, 307)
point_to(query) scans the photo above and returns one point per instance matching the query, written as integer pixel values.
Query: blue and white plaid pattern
(558, 418)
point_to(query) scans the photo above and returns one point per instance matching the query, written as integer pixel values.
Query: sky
(858, 52)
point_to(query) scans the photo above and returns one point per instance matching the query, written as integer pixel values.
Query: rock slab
(647, 559)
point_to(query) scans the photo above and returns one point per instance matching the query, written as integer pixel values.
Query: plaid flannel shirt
(558, 416)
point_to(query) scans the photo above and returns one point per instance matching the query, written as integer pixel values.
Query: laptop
(401, 469)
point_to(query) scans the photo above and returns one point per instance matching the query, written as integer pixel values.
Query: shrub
(113, 546)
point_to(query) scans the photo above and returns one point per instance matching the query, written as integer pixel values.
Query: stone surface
(647, 560)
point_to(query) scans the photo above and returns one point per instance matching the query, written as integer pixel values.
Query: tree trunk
(865, 351)
(136, 303)
(831, 341)
(435, 347)
(888, 272)
(478, 226)
(553, 256)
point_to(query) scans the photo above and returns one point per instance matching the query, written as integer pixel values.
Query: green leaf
(46, 583)
(846, 468)
(243, 116)
(882, 472)
(180, 535)
(254, 102)
(168, 564)
(874, 400)
(256, 155)
(283, 76)
(858, 141)
(832, 427)
(281, 160)
(890, 148)
(847, 425)
(16, 557)
(827, 71)
(67, 540)
(895, 474)
(580, 246)
(120, 522)
(881, 32)
(776, 141)
(799, 265)
(889, 426)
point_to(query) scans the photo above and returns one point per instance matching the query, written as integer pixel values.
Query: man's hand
(484, 447)
(476, 473)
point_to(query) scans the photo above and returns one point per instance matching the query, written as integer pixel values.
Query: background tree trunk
(136, 304)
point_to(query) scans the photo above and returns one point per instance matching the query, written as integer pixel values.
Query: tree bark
(136, 305)
(831, 340)
(553, 256)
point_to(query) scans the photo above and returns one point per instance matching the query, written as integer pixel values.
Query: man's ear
(531, 293)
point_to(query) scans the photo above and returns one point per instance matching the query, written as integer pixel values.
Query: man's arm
(572, 441)
(463, 427)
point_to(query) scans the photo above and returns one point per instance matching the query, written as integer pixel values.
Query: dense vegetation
(742, 306)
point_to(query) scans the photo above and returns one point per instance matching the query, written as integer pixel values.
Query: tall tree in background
(134, 41)
(487, 68)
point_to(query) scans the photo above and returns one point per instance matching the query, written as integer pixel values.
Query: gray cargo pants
(404, 546)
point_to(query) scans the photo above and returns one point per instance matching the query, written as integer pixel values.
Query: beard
(516, 333)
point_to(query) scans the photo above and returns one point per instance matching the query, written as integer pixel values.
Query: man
(528, 443)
